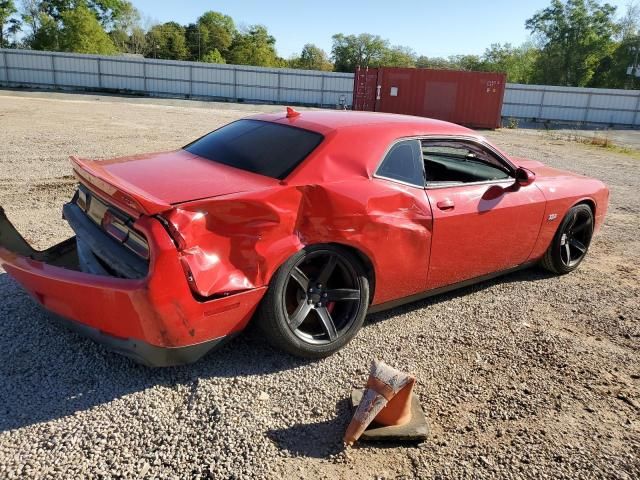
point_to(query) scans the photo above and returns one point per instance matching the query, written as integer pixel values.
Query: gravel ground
(527, 376)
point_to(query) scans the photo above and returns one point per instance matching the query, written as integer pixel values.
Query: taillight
(114, 228)
(82, 199)
(137, 244)
(125, 235)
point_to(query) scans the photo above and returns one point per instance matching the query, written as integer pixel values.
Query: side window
(404, 163)
(454, 162)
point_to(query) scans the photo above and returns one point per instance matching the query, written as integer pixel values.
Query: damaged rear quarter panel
(237, 242)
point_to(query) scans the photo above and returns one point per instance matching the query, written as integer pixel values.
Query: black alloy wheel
(571, 242)
(321, 297)
(316, 302)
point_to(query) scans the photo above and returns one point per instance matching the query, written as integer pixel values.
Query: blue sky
(432, 28)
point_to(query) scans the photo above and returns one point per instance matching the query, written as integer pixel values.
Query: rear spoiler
(124, 195)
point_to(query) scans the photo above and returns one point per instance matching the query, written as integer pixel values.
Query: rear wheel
(316, 302)
(571, 242)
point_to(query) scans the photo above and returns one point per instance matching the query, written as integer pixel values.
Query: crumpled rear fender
(237, 242)
(159, 310)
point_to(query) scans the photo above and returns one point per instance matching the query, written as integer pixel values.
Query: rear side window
(404, 163)
(260, 147)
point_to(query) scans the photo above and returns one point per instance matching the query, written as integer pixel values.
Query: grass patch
(597, 140)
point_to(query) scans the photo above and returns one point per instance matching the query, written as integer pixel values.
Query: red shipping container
(473, 99)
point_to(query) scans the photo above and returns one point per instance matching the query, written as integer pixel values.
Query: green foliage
(8, 25)
(399, 56)
(167, 41)
(106, 11)
(311, 58)
(213, 56)
(47, 35)
(127, 19)
(454, 62)
(519, 63)
(364, 50)
(82, 33)
(216, 32)
(619, 69)
(434, 62)
(512, 123)
(254, 47)
(575, 36)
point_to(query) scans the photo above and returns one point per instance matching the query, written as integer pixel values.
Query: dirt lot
(527, 376)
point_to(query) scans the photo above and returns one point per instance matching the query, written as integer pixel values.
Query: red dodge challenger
(305, 221)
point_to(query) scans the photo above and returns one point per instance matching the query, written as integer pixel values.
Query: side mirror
(524, 177)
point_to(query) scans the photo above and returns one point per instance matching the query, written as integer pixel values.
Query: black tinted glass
(260, 147)
(404, 163)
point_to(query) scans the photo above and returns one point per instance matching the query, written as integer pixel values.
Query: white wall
(30, 68)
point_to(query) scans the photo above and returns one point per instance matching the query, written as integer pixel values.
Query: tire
(571, 242)
(318, 287)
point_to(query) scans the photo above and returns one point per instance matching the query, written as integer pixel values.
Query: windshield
(260, 147)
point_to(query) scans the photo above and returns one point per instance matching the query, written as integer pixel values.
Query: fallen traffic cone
(389, 403)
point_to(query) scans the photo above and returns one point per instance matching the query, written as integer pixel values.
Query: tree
(622, 67)
(137, 41)
(49, 20)
(82, 33)
(45, 35)
(630, 22)
(575, 35)
(254, 47)
(213, 56)
(214, 31)
(519, 63)
(434, 62)
(167, 41)
(123, 28)
(399, 56)
(366, 50)
(127, 19)
(312, 58)
(351, 51)
(8, 24)
(30, 13)
(106, 12)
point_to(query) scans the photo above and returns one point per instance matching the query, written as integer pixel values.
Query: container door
(483, 102)
(365, 89)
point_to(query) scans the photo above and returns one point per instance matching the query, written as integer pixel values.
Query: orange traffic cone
(388, 401)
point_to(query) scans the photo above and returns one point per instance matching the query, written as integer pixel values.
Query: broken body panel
(215, 235)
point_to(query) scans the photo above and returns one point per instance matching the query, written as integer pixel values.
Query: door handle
(446, 204)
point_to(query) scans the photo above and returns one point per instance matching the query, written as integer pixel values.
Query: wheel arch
(366, 263)
(357, 252)
(590, 202)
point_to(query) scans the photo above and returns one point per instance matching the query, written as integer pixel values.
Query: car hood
(154, 182)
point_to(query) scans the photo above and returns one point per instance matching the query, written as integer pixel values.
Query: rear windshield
(260, 147)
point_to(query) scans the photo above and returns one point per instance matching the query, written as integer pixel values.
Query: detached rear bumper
(155, 320)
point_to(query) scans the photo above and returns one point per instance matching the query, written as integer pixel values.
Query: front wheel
(571, 242)
(316, 302)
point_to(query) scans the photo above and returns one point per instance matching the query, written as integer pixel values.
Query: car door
(400, 222)
(482, 221)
